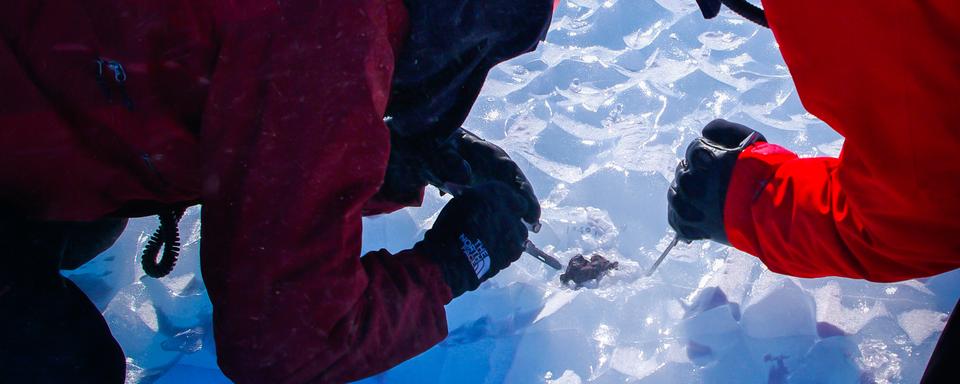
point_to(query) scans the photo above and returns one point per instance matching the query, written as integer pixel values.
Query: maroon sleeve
(378, 204)
(294, 146)
(885, 75)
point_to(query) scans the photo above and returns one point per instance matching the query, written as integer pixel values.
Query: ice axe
(666, 251)
(539, 254)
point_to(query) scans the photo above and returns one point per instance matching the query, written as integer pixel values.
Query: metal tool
(532, 249)
(653, 268)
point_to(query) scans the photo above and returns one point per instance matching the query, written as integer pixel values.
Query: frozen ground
(597, 117)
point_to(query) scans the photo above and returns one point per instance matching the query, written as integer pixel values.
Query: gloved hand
(463, 160)
(478, 234)
(699, 189)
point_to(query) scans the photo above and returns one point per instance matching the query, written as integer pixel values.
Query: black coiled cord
(167, 236)
(748, 11)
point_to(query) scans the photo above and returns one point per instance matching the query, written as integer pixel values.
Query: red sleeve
(886, 75)
(294, 146)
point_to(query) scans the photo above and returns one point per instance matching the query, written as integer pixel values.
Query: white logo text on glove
(477, 255)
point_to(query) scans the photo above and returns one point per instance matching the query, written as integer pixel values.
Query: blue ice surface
(597, 117)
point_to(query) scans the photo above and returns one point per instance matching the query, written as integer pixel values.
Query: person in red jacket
(886, 76)
(272, 116)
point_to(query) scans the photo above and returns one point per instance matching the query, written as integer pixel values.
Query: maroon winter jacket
(270, 114)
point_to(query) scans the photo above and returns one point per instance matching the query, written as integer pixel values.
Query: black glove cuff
(457, 272)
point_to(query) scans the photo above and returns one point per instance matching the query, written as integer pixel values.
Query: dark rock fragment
(580, 271)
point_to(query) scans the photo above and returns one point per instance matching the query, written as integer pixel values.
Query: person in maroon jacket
(886, 76)
(272, 116)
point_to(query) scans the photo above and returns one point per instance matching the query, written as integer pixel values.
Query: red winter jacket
(885, 75)
(270, 114)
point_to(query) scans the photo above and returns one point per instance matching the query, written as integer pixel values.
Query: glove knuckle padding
(700, 155)
(727, 134)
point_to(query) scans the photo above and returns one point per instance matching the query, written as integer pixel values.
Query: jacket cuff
(432, 274)
(755, 168)
(378, 204)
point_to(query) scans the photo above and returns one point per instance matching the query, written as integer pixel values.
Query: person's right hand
(478, 234)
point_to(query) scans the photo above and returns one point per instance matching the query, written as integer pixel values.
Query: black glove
(698, 192)
(487, 162)
(462, 160)
(711, 8)
(477, 234)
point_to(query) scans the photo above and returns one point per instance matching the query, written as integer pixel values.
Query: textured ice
(597, 117)
(783, 312)
(919, 324)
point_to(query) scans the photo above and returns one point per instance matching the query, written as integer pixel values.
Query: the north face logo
(477, 255)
